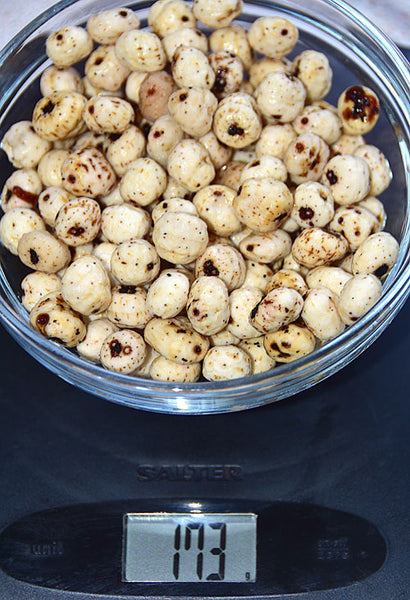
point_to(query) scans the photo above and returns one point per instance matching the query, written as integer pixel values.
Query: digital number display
(188, 547)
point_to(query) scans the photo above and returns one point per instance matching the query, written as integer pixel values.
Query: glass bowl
(359, 53)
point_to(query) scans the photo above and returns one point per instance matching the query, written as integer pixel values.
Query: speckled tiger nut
(179, 237)
(191, 68)
(15, 223)
(108, 114)
(217, 13)
(289, 279)
(36, 285)
(88, 173)
(24, 148)
(174, 205)
(97, 332)
(190, 164)
(348, 178)
(229, 73)
(358, 107)
(226, 362)
(237, 122)
(167, 16)
(320, 314)
(104, 70)
(128, 307)
(176, 339)
(273, 36)
(60, 79)
(59, 115)
(57, 321)
(257, 275)
(208, 305)
(164, 134)
(266, 247)
(193, 109)
(321, 121)
(380, 172)
(305, 158)
(187, 37)
(21, 190)
(314, 247)
(154, 94)
(106, 27)
(41, 251)
(377, 255)
(123, 351)
(168, 294)
(164, 369)
(224, 261)
(241, 303)
(358, 296)
(313, 205)
(347, 144)
(143, 182)
(376, 207)
(121, 152)
(68, 45)
(314, 71)
(120, 222)
(274, 140)
(331, 278)
(86, 286)
(279, 307)
(219, 153)
(280, 97)
(50, 201)
(261, 361)
(232, 39)
(135, 262)
(214, 204)
(78, 221)
(355, 223)
(289, 343)
(141, 51)
(262, 66)
(263, 204)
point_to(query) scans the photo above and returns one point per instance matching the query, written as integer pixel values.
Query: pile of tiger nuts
(188, 204)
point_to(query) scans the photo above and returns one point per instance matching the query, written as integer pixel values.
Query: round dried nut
(315, 72)
(59, 115)
(78, 221)
(287, 278)
(123, 351)
(191, 68)
(24, 148)
(289, 343)
(258, 275)
(135, 262)
(224, 338)
(193, 109)
(217, 13)
(305, 158)
(168, 16)
(229, 73)
(49, 168)
(112, 198)
(104, 251)
(237, 122)
(176, 339)
(190, 164)
(280, 97)
(133, 86)
(106, 27)
(347, 144)
(164, 369)
(265, 166)
(274, 140)
(208, 305)
(154, 93)
(262, 66)
(314, 247)
(36, 285)
(174, 205)
(219, 153)
(380, 172)
(263, 204)
(320, 314)
(97, 331)
(230, 174)
(60, 79)
(121, 222)
(186, 37)
(331, 278)
(108, 114)
(274, 37)
(57, 321)
(313, 205)
(358, 107)
(279, 307)
(348, 177)
(221, 260)
(241, 303)
(124, 150)
(168, 294)
(128, 307)
(376, 255)
(21, 190)
(143, 182)
(15, 223)
(141, 51)
(358, 296)
(261, 361)
(41, 251)
(232, 39)
(266, 247)
(50, 201)
(321, 121)
(376, 208)
(226, 362)
(355, 223)
(88, 173)
(214, 204)
(179, 237)
(104, 70)
(68, 45)
(91, 90)
(86, 286)
(164, 134)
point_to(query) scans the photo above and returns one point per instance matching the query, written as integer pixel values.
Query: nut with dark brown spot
(123, 351)
(306, 157)
(141, 51)
(88, 173)
(193, 109)
(279, 307)
(108, 114)
(104, 70)
(226, 362)
(59, 115)
(128, 307)
(68, 45)
(263, 204)
(135, 262)
(106, 27)
(78, 221)
(289, 343)
(315, 247)
(273, 36)
(208, 305)
(56, 320)
(359, 109)
(21, 190)
(176, 339)
(15, 223)
(41, 251)
(224, 261)
(377, 255)
(168, 16)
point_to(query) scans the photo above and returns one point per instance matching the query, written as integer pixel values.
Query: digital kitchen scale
(304, 499)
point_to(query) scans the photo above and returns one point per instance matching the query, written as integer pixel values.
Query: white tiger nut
(376, 208)
(175, 205)
(226, 362)
(86, 286)
(176, 339)
(56, 320)
(88, 173)
(143, 182)
(217, 13)
(229, 73)
(59, 115)
(60, 79)
(265, 166)
(208, 305)
(168, 294)
(380, 172)
(348, 178)
(141, 51)
(36, 285)
(15, 223)
(135, 262)
(266, 247)
(262, 66)
(120, 222)
(287, 278)
(24, 148)
(224, 338)
(314, 247)
(305, 158)
(50, 201)
(193, 109)
(21, 190)
(313, 205)
(358, 107)
(97, 332)
(289, 343)
(320, 121)
(78, 221)
(315, 72)
(214, 204)
(237, 122)
(104, 70)
(377, 254)
(190, 164)
(331, 278)
(263, 204)
(167, 16)
(219, 153)
(108, 114)
(128, 307)
(358, 296)
(123, 351)
(164, 134)
(347, 144)
(126, 149)
(274, 140)
(355, 223)
(320, 314)
(191, 68)
(187, 37)
(279, 307)
(221, 260)
(241, 303)
(68, 45)
(106, 27)
(41, 251)
(261, 361)
(280, 97)
(232, 39)
(258, 275)
(179, 237)
(164, 369)
(274, 37)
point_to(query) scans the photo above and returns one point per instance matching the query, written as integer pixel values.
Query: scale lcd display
(189, 547)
